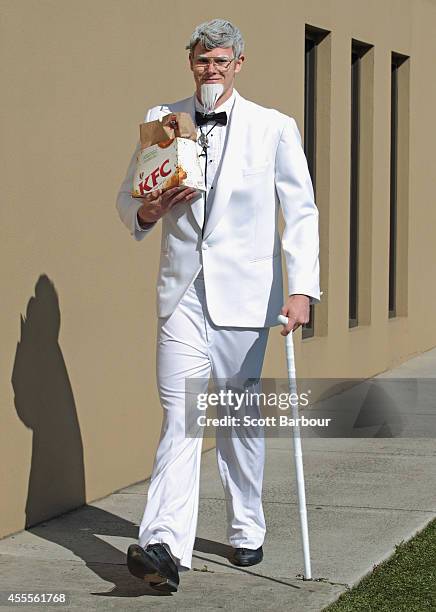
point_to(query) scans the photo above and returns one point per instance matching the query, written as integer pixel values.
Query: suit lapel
(230, 164)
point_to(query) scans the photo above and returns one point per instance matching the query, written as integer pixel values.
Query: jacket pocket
(254, 170)
(270, 256)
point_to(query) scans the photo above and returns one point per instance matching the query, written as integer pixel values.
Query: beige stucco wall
(79, 411)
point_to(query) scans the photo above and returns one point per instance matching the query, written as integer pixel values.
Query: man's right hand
(157, 203)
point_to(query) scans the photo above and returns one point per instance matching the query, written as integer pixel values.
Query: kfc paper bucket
(168, 156)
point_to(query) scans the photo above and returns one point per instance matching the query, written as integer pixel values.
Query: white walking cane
(298, 454)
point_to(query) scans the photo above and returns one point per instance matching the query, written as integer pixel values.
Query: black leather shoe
(153, 565)
(246, 556)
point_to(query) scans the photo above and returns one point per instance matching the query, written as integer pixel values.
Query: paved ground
(364, 496)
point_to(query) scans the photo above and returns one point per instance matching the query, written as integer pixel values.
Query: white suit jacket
(263, 168)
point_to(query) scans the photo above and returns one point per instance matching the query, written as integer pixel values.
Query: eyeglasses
(221, 63)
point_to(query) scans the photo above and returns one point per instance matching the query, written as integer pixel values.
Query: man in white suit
(219, 291)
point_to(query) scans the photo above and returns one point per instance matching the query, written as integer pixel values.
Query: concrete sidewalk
(364, 497)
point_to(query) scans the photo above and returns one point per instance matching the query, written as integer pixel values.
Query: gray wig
(217, 33)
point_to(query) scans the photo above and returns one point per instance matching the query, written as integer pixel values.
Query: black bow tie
(217, 117)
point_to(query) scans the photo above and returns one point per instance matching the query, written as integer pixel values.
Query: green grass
(406, 582)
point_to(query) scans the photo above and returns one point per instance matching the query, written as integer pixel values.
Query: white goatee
(210, 92)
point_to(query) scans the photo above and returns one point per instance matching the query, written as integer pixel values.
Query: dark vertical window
(393, 186)
(310, 106)
(399, 186)
(360, 204)
(354, 187)
(309, 136)
(312, 37)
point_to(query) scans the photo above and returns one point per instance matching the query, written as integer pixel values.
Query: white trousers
(189, 345)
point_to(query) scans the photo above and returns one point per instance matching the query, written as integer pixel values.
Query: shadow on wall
(45, 403)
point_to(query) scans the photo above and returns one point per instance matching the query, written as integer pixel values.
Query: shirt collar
(225, 107)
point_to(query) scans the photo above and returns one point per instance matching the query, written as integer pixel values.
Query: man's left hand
(296, 309)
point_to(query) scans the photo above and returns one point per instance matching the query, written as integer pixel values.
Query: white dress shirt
(216, 140)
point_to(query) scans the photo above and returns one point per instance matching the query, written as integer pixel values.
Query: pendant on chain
(203, 141)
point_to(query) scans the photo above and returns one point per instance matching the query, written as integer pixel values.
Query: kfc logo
(150, 181)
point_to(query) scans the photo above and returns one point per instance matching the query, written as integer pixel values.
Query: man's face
(220, 71)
